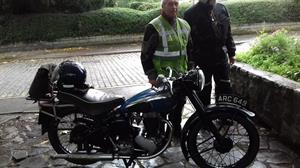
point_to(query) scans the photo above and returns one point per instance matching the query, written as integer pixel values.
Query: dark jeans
(220, 72)
(175, 115)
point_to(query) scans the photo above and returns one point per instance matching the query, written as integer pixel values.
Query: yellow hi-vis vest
(171, 50)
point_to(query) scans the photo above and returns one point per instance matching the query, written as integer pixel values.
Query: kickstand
(129, 162)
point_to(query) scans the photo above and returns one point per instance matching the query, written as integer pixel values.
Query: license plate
(232, 99)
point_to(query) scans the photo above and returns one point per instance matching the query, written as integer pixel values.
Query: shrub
(24, 6)
(143, 6)
(257, 11)
(97, 4)
(110, 3)
(43, 27)
(111, 21)
(47, 6)
(277, 52)
(48, 27)
(73, 6)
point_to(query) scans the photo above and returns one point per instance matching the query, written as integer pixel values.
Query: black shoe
(176, 138)
(175, 141)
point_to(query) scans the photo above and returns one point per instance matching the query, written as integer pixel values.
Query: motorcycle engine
(122, 134)
(78, 133)
(85, 133)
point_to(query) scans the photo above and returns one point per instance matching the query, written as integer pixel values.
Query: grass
(277, 52)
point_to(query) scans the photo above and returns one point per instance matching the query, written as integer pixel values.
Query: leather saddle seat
(91, 101)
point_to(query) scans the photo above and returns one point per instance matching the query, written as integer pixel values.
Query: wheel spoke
(198, 144)
(237, 132)
(205, 150)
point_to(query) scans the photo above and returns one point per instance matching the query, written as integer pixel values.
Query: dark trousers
(175, 115)
(220, 72)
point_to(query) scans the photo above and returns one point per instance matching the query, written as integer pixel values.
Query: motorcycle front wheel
(59, 136)
(237, 147)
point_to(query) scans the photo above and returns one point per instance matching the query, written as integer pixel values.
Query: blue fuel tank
(150, 100)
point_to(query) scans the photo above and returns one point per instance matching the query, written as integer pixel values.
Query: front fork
(194, 118)
(185, 134)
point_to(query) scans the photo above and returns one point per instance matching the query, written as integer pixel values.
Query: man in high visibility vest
(165, 45)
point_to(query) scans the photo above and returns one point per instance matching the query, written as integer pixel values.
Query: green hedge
(143, 6)
(47, 27)
(257, 11)
(112, 21)
(49, 6)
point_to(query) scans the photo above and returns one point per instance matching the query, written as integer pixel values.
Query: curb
(137, 38)
(73, 42)
(266, 27)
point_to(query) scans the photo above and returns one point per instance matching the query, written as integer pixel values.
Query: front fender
(229, 107)
(185, 133)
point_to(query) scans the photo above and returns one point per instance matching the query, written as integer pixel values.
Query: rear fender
(44, 121)
(47, 117)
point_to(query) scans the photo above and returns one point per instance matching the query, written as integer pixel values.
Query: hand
(153, 83)
(231, 60)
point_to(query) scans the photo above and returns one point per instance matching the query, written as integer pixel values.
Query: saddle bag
(40, 85)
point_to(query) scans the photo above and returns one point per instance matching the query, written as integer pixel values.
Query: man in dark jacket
(213, 45)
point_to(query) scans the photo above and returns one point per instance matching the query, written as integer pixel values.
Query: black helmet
(71, 75)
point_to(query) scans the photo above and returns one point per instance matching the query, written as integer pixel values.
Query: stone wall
(274, 99)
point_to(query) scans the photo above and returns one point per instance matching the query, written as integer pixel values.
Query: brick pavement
(104, 71)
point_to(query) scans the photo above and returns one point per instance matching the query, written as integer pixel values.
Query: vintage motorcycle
(86, 125)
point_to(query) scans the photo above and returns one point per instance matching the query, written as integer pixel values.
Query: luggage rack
(39, 99)
(47, 97)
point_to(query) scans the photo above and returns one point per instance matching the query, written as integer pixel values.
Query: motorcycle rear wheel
(59, 136)
(238, 148)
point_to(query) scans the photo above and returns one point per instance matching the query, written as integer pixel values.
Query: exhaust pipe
(110, 157)
(91, 157)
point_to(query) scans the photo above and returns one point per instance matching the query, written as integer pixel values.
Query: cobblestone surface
(21, 145)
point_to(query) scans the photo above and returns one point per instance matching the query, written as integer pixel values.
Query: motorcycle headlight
(196, 78)
(201, 79)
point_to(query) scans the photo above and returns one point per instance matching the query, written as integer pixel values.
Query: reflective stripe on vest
(171, 50)
(165, 33)
(169, 54)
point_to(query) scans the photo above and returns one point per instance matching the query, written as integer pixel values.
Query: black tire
(56, 133)
(211, 154)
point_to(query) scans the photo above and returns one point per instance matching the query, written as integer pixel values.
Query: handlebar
(164, 82)
(170, 71)
(161, 79)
